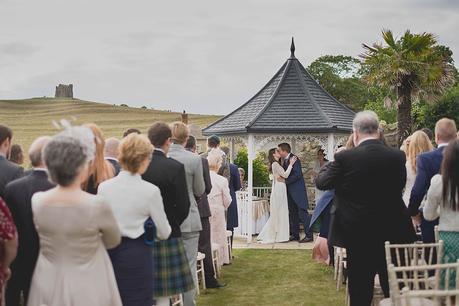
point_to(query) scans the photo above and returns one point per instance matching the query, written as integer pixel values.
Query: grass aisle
(275, 277)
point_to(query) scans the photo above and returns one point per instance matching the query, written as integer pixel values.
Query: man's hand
(417, 219)
(280, 179)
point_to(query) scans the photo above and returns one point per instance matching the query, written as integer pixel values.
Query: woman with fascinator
(277, 228)
(75, 229)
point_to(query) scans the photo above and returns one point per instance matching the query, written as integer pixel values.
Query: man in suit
(297, 196)
(18, 195)
(8, 171)
(427, 165)
(205, 241)
(111, 153)
(195, 181)
(368, 181)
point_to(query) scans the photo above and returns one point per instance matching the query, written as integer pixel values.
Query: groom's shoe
(306, 239)
(293, 238)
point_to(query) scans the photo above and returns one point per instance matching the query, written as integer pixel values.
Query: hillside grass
(31, 118)
(275, 277)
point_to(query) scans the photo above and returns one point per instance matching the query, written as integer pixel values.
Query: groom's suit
(297, 199)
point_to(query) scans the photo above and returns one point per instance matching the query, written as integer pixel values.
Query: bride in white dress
(277, 228)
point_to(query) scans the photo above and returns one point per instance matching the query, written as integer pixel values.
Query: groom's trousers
(297, 215)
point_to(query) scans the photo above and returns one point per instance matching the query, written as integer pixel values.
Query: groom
(297, 197)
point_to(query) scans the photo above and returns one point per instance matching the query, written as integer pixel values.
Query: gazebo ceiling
(291, 102)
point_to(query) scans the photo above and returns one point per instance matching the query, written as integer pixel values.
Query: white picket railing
(261, 192)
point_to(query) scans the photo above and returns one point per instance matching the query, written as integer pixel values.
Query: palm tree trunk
(404, 112)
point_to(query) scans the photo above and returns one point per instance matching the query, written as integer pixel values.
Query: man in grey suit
(191, 227)
(8, 170)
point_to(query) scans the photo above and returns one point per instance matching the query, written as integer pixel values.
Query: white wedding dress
(277, 228)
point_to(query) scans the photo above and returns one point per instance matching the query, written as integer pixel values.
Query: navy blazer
(234, 185)
(427, 165)
(296, 187)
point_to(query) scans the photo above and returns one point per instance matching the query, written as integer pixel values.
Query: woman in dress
(100, 169)
(75, 229)
(9, 239)
(219, 201)
(416, 144)
(443, 201)
(133, 201)
(319, 163)
(277, 227)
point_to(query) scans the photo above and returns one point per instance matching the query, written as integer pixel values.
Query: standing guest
(133, 200)
(16, 155)
(18, 196)
(100, 169)
(428, 133)
(234, 185)
(416, 144)
(427, 165)
(219, 201)
(213, 143)
(172, 271)
(131, 131)
(8, 171)
(297, 196)
(111, 153)
(9, 238)
(195, 182)
(205, 241)
(443, 202)
(319, 163)
(75, 229)
(242, 178)
(368, 181)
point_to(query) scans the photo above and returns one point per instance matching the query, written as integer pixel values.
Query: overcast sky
(201, 56)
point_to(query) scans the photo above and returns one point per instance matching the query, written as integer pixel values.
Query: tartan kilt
(450, 255)
(172, 270)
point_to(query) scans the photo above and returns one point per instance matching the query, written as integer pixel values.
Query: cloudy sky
(202, 56)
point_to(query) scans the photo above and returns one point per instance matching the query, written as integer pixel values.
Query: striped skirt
(451, 253)
(172, 271)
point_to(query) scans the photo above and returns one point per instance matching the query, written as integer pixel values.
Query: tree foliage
(260, 169)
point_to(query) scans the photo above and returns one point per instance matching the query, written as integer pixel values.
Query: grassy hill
(31, 118)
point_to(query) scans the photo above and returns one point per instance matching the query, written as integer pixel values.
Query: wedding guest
(8, 171)
(205, 241)
(443, 202)
(427, 165)
(172, 271)
(234, 185)
(321, 215)
(242, 177)
(16, 155)
(100, 169)
(195, 182)
(368, 181)
(428, 132)
(219, 201)
(133, 200)
(318, 164)
(9, 238)
(416, 144)
(18, 196)
(111, 153)
(130, 131)
(213, 143)
(75, 229)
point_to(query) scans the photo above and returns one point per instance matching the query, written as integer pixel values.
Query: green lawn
(275, 277)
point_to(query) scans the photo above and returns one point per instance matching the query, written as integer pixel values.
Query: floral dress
(7, 232)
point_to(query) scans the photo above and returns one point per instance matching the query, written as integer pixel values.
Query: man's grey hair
(111, 147)
(64, 157)
(366, 122)
(36, 150)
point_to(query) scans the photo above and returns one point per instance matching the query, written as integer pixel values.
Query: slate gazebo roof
(291, 102)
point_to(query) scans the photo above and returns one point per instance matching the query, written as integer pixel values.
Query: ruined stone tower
(64, 91)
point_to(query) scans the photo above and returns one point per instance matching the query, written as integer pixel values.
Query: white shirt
(449, 219)
(442, 145)
(133, 200)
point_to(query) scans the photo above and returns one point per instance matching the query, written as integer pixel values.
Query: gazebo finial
(292, 49)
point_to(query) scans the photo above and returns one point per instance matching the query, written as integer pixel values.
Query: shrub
(260, 169)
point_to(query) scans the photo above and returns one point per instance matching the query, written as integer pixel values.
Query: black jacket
(203, 202)
(368, 182)
(8, 172)
(169, 175)
(18, 195)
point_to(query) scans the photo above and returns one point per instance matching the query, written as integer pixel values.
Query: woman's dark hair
(450, 175)
(271, 159)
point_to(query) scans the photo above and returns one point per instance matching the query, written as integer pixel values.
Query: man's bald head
(445, 130)
(36, 149)
(111, 147)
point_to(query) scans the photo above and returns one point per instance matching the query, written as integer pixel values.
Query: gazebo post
(232, 150)
(250, 157)
(331, 146)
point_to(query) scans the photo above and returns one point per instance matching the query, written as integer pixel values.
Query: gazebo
(292, 107)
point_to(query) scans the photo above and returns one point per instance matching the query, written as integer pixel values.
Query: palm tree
(410, 67)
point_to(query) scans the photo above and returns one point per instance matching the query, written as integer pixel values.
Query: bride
(277, 227)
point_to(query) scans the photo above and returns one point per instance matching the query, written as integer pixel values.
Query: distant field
(33, 117)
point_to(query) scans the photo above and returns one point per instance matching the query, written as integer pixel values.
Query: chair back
(414, 254)
(437, 233)
(432, 297)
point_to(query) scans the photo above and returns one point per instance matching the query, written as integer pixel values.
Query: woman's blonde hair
(418, 143)
(180, 132)
(134, 150)
(99, 168)
(215, 160)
